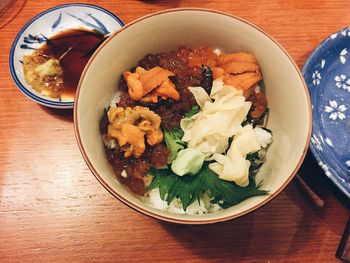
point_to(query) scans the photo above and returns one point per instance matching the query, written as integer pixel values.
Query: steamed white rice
(196, 208)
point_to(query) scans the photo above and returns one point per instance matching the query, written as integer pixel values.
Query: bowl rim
(27, 92)
(170, 218)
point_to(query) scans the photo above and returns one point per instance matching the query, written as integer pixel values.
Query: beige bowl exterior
(288, 98)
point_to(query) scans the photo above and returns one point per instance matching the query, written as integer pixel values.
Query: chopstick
(316, 199)
(343, 251)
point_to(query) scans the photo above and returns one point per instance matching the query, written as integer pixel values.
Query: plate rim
(28, 93)
(316, 153)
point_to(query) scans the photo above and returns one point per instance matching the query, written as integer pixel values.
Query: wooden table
(52, 209)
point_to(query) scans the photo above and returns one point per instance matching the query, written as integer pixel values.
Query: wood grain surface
(52, 209)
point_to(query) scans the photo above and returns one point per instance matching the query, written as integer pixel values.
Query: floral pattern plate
(48, 23)
(327, 74)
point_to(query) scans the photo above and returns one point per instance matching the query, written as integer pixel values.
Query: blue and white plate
(327, 74)
(51, 22)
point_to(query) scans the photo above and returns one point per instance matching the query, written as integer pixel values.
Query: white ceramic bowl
(288, 98)
(48, 23)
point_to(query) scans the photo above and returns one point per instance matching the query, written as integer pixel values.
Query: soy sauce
(73, 48)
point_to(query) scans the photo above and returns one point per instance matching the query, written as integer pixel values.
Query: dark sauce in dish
(73, 48)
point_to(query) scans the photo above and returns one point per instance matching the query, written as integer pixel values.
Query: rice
(200, 207)
(264, 137)
(115, 100)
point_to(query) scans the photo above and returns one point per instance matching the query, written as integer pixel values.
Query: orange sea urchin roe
(130, 126)
(240, 70)
(147, 85)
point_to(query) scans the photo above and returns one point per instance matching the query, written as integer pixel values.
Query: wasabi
(188, 161)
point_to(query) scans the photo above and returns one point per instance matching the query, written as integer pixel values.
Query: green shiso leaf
(173, 142)
(194, 110)
(190, 188)
(173, 137)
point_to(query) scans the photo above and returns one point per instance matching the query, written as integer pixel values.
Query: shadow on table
(259, 235)
(170, 4)
(301, 60)
(61, 114)
(228, 239)
(319, 183)
(272, 230)
(291, 222)
(325, 190)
